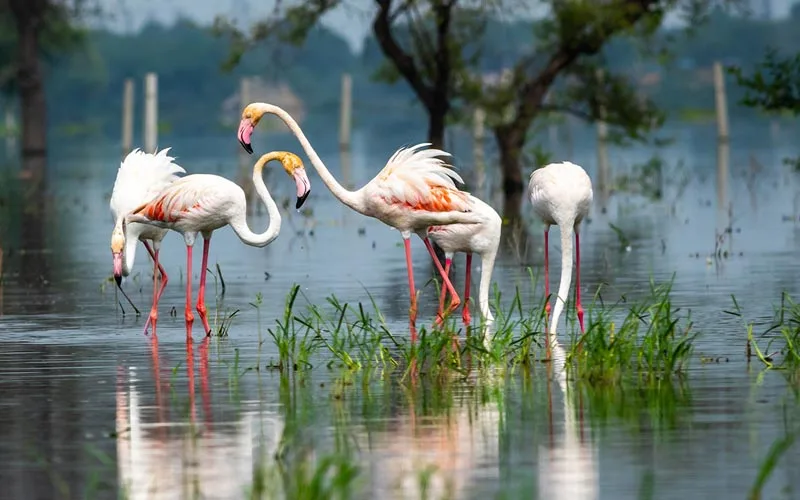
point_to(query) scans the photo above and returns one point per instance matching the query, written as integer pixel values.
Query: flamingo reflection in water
(567, 466)
(160, 457)
(445, 448)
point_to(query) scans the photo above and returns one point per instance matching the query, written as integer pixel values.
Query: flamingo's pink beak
(245, 131)
(117, 267)
(303, 185)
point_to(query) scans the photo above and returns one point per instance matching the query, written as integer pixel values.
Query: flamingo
(204, 203)
(483, 239)
(561, 194)
(413, 191)
(140, 177)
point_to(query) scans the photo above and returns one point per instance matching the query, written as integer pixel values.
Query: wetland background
(91, 408)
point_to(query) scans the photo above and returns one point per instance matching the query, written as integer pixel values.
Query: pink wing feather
(418, 179)
(189, 196)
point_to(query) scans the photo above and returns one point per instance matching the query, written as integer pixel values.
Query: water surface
(91, 407)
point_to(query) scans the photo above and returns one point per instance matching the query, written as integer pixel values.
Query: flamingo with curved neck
(483, 239)
(203, 203)
(140, 177)
(415, 190)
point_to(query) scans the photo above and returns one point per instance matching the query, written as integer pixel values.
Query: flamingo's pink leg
(412, 312)
(440, 313)
(465, 313)
(164, 279)
(154, 310)
(546, 292)
(189, 314)
(161, 270)
(456, 301)
(201, 295)
(152, 256)
(578, 281)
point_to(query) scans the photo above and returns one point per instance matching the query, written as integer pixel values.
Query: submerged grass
(650, 338)
(653, 340)
(781, 339)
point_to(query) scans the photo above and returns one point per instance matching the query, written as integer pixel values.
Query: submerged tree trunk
(510, 141)
(436, 124)
(433, 91)
(29, 79)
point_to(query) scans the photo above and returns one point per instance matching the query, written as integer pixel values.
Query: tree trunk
(436, 121)
(510, 141)
(31, 89)
(436, 124)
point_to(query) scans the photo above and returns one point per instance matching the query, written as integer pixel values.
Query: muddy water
(91, 407)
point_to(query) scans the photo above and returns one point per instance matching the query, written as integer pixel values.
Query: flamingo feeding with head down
(413, 191)
(483, 239)
(203, 203)
(561, 194)
(141, 176)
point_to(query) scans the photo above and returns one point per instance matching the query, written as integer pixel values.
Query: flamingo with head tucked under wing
(141, 176)
(561, 194)
(413, 191)
(203, 203)
(483, 239)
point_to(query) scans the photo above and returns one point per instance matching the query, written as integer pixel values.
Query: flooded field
(92, 408)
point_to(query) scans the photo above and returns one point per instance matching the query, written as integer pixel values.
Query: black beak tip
(302, 199)
(247, 147)
(118, 279)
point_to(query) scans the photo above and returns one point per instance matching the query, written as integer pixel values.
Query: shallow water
(91, 407)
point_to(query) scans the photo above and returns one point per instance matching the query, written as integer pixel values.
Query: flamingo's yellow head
(117, 245)
(250, 117)
(293, 166)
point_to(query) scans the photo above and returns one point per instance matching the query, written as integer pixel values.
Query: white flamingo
(203, 203)
(415, 190)
(483, 239)
(141, 176)
(561, 194)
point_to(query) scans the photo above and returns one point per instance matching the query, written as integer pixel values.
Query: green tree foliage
(439, 48)
(774, 84)
(84, 86)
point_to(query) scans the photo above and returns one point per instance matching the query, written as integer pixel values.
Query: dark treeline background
(84, 87)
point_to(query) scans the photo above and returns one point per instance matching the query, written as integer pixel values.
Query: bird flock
(415, 193)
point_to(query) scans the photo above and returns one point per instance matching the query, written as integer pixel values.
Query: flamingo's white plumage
(483, 239)
(140, 177)
(414, 190)
(203, 203)
(561, 194)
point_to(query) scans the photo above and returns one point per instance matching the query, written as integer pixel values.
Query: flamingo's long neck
(567, 231)
(349, 198)
(131, 239)
(239, 225)
(487, 266)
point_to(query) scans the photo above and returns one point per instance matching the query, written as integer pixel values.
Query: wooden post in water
(603, 172)
(478, 131)
(345, 115)
(150, 112)
(721, 102)
(127, 116)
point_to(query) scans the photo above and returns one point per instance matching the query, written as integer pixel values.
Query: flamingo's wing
(419, 179)
(140, 177)
(187, 197)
